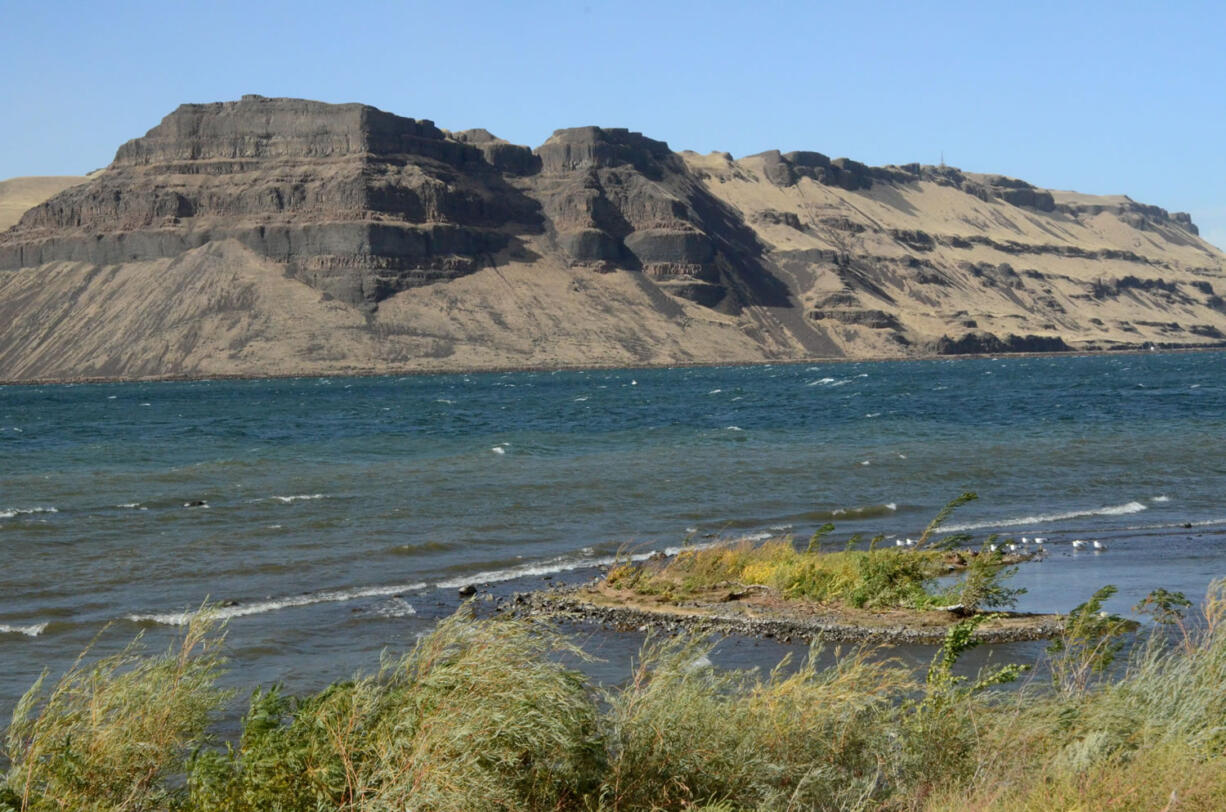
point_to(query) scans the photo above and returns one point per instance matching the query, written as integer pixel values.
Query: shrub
(479, 715)
(682, 733)
(111, 735)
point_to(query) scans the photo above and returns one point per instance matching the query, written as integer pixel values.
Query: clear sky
(1102, 97)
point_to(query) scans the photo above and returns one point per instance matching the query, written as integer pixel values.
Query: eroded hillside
(282, 236)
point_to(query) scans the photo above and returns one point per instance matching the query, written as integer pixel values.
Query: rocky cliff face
(357, 203)
(282, 235)
(615, 199)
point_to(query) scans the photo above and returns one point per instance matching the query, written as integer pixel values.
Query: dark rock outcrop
(617, 199)
(787, 169)
(983, 343)
(875, 319)
(356, 202)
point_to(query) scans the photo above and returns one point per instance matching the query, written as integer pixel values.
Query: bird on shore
(1040, 539)
(1079, 544)
(1099, 546)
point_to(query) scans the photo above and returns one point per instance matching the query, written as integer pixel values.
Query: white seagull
(1079, 544)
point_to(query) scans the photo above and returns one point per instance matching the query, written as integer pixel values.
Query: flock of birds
(1024, 544)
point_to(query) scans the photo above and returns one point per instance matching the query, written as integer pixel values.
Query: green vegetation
(863, 578)
(872, 578)
(484, 714)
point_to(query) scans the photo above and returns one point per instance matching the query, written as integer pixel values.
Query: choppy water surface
(336, 517)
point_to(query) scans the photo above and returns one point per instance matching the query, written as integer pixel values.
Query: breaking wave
(1048, 518)
(277, 604)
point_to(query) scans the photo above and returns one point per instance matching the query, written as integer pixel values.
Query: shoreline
(582, 604)
(366, 372)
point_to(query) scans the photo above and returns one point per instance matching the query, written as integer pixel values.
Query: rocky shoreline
(582, 604)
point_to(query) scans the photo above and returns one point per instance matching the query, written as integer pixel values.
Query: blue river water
(334, 518)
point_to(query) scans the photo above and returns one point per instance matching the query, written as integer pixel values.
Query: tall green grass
(488, 714)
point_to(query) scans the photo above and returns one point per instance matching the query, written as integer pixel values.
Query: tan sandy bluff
(283, 236)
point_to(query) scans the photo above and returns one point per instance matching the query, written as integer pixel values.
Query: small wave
(873, 414)
(715, 391)
(396, 607)
(581, 399)
(569, 564)
(763, 536)
(820, 382)
(1161, 499)
(733, 428)
(867, 512)
(303, 497)
(445, 400)
(1048, 518)
(498, 450)
(132, 506)
(32, 630)
(9, 513)
(424, 548)
(276, 604)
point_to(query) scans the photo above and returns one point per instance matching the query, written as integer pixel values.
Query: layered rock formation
(357, 203)
(272, 236)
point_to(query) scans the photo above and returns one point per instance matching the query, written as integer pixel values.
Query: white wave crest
(303, 497)
(1161, 499)
(560, 564)
(396, 607)
(277, 604)
(9, 513)
(1110, 510)
(32, 630)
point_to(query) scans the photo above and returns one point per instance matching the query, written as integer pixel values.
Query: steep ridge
(282, 236)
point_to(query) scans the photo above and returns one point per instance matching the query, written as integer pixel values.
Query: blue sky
(1101, 97)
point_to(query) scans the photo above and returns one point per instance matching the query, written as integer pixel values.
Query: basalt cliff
(283, 236)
